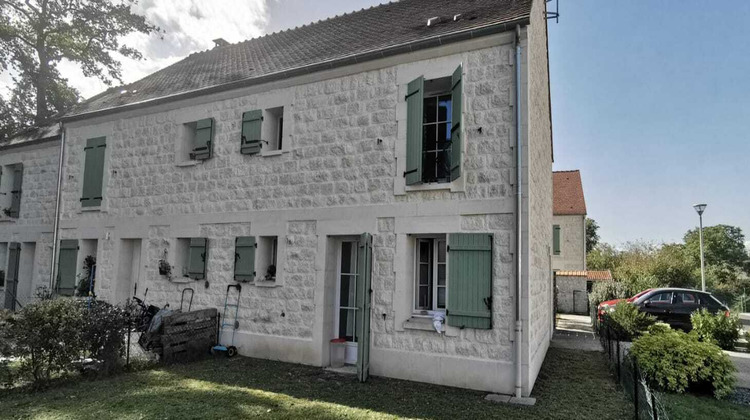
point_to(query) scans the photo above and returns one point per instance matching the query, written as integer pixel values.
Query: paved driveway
(742, 363)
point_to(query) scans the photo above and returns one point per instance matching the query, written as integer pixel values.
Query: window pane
(444, 108)
(346, 324)
(428, 165)
(430, 111)
(348, 291)
(424, 274)
(443, 135)
(424, 297)
(429, 137)
(441, 297)
(441, 251)
(441, 274)
(346, 251)
(424, 251)
(441, 165)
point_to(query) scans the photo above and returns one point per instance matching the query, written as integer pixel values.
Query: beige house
(568, 222)
(382, 177)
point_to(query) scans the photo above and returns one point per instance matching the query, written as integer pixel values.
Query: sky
(649, 99)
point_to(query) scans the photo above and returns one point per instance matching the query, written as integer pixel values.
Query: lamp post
(700, 208)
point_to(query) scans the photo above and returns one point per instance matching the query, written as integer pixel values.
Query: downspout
(56, 228)
(519, 196)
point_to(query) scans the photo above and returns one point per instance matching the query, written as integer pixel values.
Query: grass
(687, 406)
(572, 384)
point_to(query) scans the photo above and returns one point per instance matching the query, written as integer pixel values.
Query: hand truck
(230, 350)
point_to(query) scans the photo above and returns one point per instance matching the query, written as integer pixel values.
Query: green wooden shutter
(11, 286)
(252, 122)
(414, 106)
(470, 280)
(67, 266)
(15, 203)
(93, 172)
(244, 258)
(456, 124)
(204, 132)
(556, 239)
(197, 257)
(364, 300)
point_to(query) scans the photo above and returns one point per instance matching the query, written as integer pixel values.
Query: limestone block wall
(572, 242)
(572, 297)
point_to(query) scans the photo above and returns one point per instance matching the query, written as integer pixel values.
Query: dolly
(230, 350)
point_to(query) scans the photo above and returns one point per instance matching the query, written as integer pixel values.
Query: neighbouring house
(358, 176)
(29, 165)
(568, 222)
(573, 287)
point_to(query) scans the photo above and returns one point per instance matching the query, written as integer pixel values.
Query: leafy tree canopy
(592, 237)
(722, 244)
(36, 35)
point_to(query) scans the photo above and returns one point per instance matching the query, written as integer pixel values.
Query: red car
(607, 306)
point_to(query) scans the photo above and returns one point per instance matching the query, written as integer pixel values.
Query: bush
(607, 290)
(104, 332)
(719, 328)
(675, 361)
(628, 322)
(6, 346)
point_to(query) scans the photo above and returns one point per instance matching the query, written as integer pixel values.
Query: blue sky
(649, 98)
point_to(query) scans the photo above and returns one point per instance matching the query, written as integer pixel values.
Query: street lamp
(700, 208)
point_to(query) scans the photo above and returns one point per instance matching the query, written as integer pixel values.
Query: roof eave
(390, 51)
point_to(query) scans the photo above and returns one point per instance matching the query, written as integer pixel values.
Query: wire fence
(647, 402)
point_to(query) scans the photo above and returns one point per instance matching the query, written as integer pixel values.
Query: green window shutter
(66, 267)
(252, 122)
(556, 239)
(470, 280)
(15, 203)
(93, 172)
(204, 133)
(456, 124)
(244, 258)
(197, 257)
(364, 301)
(414, 106)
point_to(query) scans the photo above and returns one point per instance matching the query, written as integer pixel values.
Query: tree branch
(18, 9)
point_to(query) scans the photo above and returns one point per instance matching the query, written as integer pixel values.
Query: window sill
(266, 284)
(91, 209)
(188, 163)
(432, 186)
(8, 220)
(419, 323)
(181, 280)
(272, 153)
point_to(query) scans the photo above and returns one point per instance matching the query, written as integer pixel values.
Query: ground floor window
(431, 274)
(347, 319)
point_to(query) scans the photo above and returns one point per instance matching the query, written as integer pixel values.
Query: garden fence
(647, 402)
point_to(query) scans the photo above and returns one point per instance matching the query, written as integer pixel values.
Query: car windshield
(638, 295)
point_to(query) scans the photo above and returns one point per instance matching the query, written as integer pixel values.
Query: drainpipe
(519, 196)
(56, 228)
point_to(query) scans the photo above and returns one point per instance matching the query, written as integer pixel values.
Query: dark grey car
(674, 306)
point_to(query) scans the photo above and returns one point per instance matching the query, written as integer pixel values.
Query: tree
(592, 237)
(722, 245)
(35, 35)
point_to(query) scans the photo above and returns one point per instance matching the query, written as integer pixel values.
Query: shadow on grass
(571, 384)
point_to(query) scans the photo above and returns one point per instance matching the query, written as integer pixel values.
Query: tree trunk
(40, 83)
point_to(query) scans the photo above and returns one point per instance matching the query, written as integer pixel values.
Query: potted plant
(165, 269)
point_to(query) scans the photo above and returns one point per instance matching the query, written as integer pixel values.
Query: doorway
(128, 271)
(346, 298)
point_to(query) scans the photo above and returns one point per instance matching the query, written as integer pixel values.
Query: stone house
(568, 222)
(382, 177)
(29, 165)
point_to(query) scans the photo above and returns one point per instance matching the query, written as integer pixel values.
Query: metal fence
(647, 403)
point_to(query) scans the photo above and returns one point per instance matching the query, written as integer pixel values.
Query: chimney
(220, 42)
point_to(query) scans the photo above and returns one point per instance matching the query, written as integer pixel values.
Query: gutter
(435, 41)
(519, 196)
(56, 229)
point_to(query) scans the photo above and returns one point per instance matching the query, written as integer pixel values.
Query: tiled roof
(594, 275)
(387, 29)
(567, 191)
(32, 135)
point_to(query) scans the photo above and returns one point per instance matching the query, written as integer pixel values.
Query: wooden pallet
(188, 336)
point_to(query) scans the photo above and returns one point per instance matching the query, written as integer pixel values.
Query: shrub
(104, 332)
(628, 322)
(608, 290)
(6, 346)
(675, 361)
(48, 336)
(719, 328)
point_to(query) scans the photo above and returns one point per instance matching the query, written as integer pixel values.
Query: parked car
(670, 305)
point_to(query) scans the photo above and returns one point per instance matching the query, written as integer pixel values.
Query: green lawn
(688, 407)
(572, 384)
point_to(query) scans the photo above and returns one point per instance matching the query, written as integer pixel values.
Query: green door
(11, 282)
(364, 296)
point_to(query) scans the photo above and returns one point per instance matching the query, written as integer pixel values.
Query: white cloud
(189, 26)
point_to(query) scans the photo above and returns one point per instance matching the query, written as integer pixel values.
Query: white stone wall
(571, 294)
(572, 242)
(33, 228)
(337, 176)
(539, 189)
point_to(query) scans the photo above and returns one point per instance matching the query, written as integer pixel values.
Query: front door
(346, 300)
(11, 282)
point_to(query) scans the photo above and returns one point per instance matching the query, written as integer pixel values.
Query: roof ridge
(566, 171)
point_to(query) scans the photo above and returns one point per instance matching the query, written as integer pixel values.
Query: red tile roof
(590, 275)
(567, 191)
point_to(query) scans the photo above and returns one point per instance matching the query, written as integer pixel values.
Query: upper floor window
(436, 133)
(11, 182)
(262, 131)
(93, 172)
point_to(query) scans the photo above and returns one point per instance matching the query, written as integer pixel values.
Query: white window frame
(437, 124)
(355, 245)
(434, 263)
